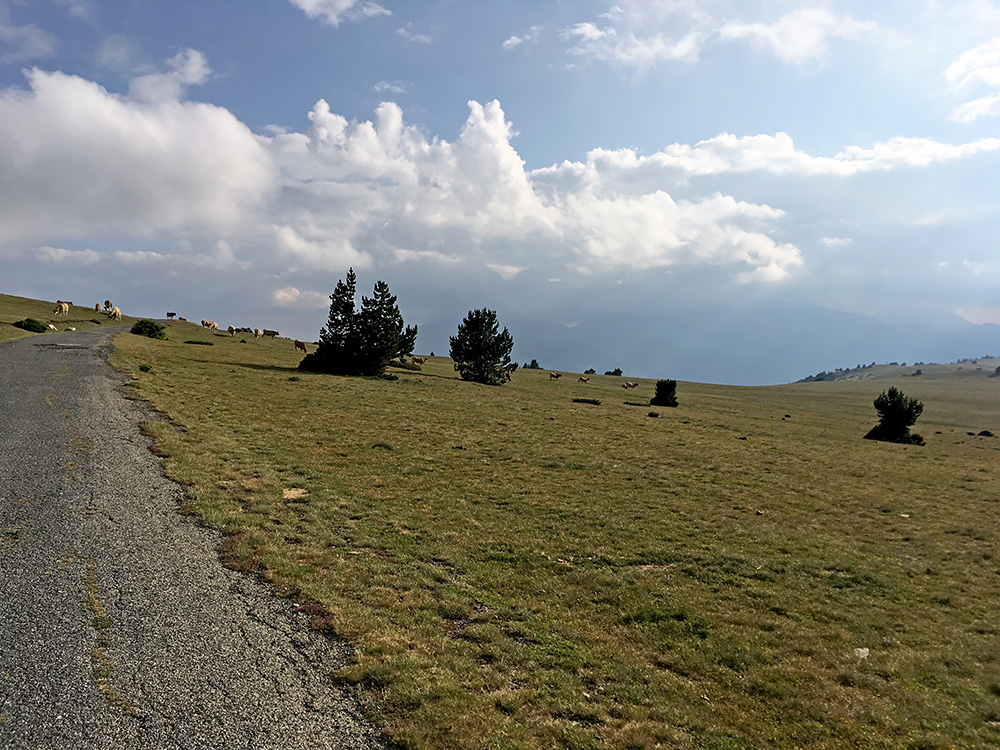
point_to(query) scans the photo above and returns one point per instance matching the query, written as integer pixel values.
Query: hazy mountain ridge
(773, 345)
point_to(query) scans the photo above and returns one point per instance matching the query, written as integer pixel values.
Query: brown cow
(419, 360)
(171, 315)
(115, 313)
(301, 346)
(257, 333)
(583, 380)
(269, 333)
(97, 307)
(62, 308)
(232, 330)
(555, 375)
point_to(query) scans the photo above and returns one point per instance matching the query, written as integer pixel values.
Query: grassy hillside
(18, 308)
(519, 570)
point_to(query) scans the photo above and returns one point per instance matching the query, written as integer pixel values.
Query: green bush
(30, 324)
(145, 367)
(666, 393)
(149, 328)
(896, 413)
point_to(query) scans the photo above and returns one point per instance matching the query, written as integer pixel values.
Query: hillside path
(120, 627)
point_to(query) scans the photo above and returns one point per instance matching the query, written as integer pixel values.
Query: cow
(583, 380)
(210, 325)
(107, 305)
(301, 346)
(115, 313)
(97, 307)
(62, 308)
(182, 320)
(555, 375)
(269, 333)
(419, 360)
(628, 384)
(52, 327)
(257, 333)
(171, 315)
(232, 330)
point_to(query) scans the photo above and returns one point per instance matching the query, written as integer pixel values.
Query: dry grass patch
(518, 570)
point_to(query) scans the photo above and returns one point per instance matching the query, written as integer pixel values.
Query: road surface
(119, 628)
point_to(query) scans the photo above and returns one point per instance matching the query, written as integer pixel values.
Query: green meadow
(519, 569)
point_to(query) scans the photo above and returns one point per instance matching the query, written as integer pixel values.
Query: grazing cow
(183, 320)
(62, 308)
(269, 333)
(97, 307)
(583, 380)
(116, 314)
(232, 330)
(628, 384)
(107, 305)
(257, 333)
(210, 325)
(171, 315)
(555, 375)
(419, 360)
(301, 346)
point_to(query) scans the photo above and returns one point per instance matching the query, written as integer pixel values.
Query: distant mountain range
(739, 345)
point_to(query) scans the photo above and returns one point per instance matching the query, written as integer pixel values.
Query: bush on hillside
(30, 324)
(666, 393)
(897, 412)
(149, 328)
(480, 350)
(616, 372)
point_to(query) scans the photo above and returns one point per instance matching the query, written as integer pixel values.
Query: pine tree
(897, 412)
(381, 326)
(480, 351)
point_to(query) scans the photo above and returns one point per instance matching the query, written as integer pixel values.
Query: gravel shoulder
(121, 626)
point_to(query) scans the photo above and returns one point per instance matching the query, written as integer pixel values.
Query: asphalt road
(119, 628)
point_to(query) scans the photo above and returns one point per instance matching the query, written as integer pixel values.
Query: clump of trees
(148, 328)
(480, 350)
(533, 365)
(616, 372)
(897, 413)
(361, 342)
(666, 393)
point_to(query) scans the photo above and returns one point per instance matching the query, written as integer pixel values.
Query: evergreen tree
(897, 413)
(359, 342)
(480, 351)
(666, 393)
(407, 342)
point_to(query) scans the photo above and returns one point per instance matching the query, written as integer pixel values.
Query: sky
(554, 161)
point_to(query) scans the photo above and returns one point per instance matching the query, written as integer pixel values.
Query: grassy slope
(18, 308)
(518, 570)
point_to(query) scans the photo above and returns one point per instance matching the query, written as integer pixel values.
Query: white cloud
(505, 272)
(20, 43)
(515, 41)
(629, 49)
(80, 161)
(512, 42)
(389, 87)
(404, 256)
(332, 12)
(801, 35)
(980, 65)
(413, 37)
(187, 68)
(289, 296)
(835, 241)
(63, 256)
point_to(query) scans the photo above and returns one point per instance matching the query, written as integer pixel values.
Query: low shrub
(30, 324)
(149, 328)
(145, 367)
(404, 365)
(666, 393)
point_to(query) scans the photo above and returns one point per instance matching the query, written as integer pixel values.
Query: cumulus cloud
(332, 12)
(79, 161)
(800, 36)
(516, 41)
(977, 66)
(63, 256)
(390, 87)
(187, 68)
(20, 43)
(289, 296)
(630, 49)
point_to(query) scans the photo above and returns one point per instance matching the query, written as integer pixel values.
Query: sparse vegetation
(616, 372)
(594, 401)
(149, 328)
(897, 413)
(200, 343)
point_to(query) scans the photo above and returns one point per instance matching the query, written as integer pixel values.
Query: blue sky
(555, 161)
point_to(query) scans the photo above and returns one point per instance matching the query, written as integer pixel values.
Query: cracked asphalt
(119, 627)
